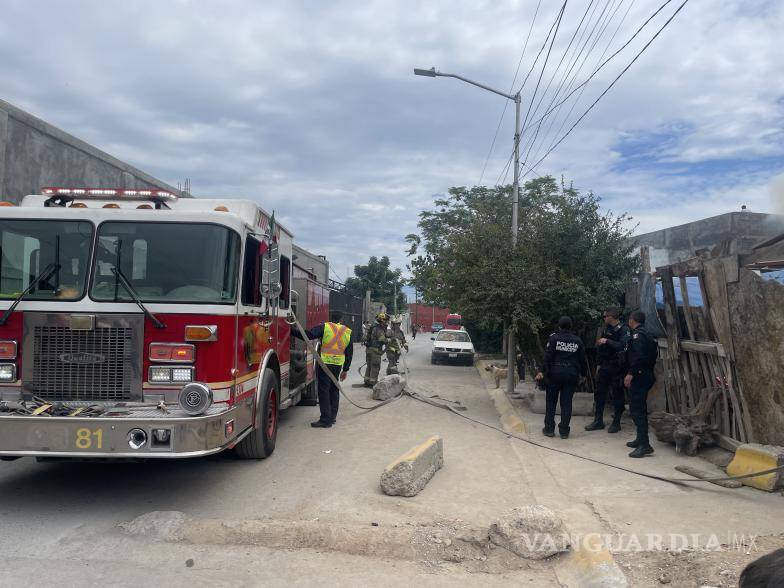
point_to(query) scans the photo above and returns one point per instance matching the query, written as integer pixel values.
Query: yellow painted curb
(757, 458)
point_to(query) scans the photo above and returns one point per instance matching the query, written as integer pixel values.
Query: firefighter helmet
(382, 317)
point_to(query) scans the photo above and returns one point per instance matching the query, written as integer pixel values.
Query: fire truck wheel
(260, 443)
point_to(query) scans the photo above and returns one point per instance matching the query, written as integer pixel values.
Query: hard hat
(382, 316)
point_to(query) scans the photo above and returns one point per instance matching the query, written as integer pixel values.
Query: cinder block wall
(34, 154)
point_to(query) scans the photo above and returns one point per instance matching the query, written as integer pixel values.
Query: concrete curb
(410, 473)
(588, 565)
(753, 457)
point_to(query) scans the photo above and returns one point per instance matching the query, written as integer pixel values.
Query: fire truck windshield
(166, 262)
(55, 251)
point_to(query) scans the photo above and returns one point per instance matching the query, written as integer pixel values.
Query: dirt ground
(695, 569)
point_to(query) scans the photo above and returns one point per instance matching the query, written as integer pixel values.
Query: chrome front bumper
(107, 437)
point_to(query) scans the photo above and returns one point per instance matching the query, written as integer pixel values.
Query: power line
(541, 49)
(598, 69)
(558, 67)
(618, 77)
(547, 57)
(553, 26)
(582, 90)
(506, 102)
(602, 23)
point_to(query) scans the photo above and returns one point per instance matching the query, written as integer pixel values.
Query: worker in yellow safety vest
(336, 351)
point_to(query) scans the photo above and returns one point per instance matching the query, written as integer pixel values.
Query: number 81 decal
(87, 439)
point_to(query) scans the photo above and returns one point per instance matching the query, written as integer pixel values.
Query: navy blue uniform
(641, 353)
(328, 393)
(609, 379)
(564, 363)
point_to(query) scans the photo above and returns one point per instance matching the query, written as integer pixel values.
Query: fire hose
(456, 408)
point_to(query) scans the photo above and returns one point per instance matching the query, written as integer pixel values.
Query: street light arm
(432, 73)
(478, 85)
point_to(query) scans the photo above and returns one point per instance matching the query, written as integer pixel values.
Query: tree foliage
(378, 277)
(571, 258)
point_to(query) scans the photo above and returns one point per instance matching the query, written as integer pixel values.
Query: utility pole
(510, 339)
(394, 300)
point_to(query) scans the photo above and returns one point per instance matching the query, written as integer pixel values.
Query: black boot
(641, 451)
(548, 432)
(633, 444)
(596, 425)
(320, 425)
(615, 427)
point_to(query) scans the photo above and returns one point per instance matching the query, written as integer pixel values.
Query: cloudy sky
(311, 108)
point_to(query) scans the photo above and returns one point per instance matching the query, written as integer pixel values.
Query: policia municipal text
(336, 350)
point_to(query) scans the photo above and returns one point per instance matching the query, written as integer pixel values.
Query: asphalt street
(60, 520)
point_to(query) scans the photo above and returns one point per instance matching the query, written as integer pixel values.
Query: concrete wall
(743, 229)
(34, 154)
(306, 260)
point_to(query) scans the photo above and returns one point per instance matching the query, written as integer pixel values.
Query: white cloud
(312, 109)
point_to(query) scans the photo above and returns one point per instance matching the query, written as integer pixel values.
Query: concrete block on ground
(408, 474)
(532, 532)
(389, 387)
(753, 457)
(582, 403)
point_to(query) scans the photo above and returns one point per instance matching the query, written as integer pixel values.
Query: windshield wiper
(120, 277)
(44, 275)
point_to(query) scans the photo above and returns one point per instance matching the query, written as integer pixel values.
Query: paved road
(70, 511)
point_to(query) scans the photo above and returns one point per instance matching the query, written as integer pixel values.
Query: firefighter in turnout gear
(336, 351)
(610, 350)
(641, 353)
(396, 342)
(375, 344)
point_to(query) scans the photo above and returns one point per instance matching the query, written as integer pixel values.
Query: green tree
(382, 281)
(571, 258)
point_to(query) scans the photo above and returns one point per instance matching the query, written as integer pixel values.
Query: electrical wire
(546, 59)
(506, 102)
(582, 90)
(598, 69)
(602, 22)
(618, 77)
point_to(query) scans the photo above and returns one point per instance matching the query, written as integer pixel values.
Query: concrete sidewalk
(596, 498)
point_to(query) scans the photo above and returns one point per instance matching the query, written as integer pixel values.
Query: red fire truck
(134, 324)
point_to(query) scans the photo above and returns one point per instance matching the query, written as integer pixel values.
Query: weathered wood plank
(705, 347)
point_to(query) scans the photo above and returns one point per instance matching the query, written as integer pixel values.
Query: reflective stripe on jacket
(334, 343)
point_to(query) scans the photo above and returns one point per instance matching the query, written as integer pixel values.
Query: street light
(433, 73)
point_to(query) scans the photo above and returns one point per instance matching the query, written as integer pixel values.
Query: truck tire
(260, 443)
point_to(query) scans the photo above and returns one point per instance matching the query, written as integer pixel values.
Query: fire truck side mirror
(270, 285)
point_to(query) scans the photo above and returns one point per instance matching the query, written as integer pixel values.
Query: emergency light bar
(102, 193)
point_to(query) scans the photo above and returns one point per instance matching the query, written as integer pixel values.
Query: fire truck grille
(82, 365)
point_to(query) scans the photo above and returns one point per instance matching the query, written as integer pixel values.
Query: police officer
(610, 348)
(375, 344)
(337, 350)
(641, 353)
(396, 340)
(564, 364)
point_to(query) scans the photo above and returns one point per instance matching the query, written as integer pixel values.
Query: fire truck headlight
(195, 398)
(182, 374)
(160, 374)
(7, 372)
